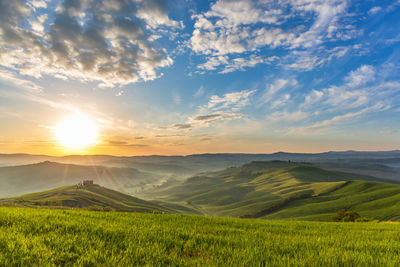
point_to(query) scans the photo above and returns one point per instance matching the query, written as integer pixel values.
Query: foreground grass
(65, 237)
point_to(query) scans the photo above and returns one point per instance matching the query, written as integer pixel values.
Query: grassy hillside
(258, 189)
(93, 197)
(64, 237)
(370, 199)
(18, 180)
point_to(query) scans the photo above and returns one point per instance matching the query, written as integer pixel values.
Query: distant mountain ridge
(350, 154)
(180, 167)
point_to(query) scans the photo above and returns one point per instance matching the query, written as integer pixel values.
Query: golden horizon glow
(77, 133)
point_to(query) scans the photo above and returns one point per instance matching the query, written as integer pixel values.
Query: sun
(77, 132)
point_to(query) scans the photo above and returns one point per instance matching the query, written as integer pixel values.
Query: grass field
(44, 237)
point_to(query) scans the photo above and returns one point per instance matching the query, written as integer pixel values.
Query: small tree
(345, 216)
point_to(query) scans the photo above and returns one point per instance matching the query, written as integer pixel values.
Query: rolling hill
(92, 197)
(18, 180)
(284, 190)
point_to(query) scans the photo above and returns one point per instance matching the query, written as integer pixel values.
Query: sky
(185, 77)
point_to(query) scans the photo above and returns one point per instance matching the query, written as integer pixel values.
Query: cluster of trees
(346, 216)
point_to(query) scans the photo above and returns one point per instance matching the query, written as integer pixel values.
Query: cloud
(241, 63)
(233, 27)
(274, 88)
(117, 143)
(218, 108)
(207, 119)
(182, 126)
(280, 102)
(354, 92)
(10, 77)
(232, 101)
(169, 135)
(374, 10)
(364, 90)
(287, 116)
(316, 127)
(199, 92)
(313, 97)
(221, 30)
(361, 76)
(306, 60)
(110, 42)
(124, 143)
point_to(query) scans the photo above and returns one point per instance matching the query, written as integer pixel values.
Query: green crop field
(45, 237)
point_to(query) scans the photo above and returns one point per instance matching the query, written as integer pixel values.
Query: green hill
(370, 199)
(267, 189)
(92, 197)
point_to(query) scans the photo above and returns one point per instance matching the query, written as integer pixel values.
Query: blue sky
(183, 77)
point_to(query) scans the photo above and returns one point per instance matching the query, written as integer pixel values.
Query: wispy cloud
(230, 101)
(199, 92)
(11, 77)
(318, 126)
(287, 116)
(274, 88)
(218, 108)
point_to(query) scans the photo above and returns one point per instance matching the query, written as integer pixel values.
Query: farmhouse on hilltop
(84, 183)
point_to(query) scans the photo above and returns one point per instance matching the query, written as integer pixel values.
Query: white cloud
(105, 41)
(374, 10)
(280, 116)
(232, 101)
(38, 3)
(246, 26)
(243, 63)
(199, 92)
(361, 76)
(306, 60)
(352, 94)
(275, 87)
(313, 97)
(218, 108)
(280, 102)
(10, 77)
(316, 127)
(232, 64)
(363, 91)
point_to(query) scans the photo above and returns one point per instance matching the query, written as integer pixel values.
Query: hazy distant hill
(267, 189)
(17, 180)
(183, 166)
(93, 197)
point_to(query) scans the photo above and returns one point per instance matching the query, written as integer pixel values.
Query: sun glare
(76, 132)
